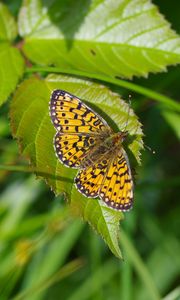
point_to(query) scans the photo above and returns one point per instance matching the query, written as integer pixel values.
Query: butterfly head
(120, 136)
(123, 135)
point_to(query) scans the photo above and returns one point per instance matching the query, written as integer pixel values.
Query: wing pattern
(70, 115)
(111, 181)
(72, 149)
(79, 143)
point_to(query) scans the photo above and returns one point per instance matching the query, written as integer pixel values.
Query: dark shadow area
(25, 169)
(171, 11)
(54, 177)
(105, 116)
(68, 16)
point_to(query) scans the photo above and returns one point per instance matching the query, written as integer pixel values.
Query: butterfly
(85, 141)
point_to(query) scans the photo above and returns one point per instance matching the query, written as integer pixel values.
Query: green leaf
(103, 220)
(114, 38)
(173, 119)
(140, 267)
(11, 69)
(8, 26)
(96, 281)
(47, 260)
(32, 126)
(11, 61)
(65, 271)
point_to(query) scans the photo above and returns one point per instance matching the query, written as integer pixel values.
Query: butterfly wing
(72, 149)
(78, 128)
(117, 188)
(89, 180)
(70, 115)
(109, 179)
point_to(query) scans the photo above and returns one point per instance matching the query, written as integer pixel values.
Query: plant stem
(18, 168)
(29, 169)
(122, 83)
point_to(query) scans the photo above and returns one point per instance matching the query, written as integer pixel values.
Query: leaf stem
(18, 168)
(25, 168)
(122, 83)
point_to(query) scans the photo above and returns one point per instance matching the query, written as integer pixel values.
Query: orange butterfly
(85, 141)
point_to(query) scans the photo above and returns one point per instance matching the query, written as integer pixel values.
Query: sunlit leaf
(115, 38)
(11, 61)
(8, 26)
(11, 69)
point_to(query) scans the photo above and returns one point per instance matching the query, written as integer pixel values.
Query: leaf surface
(8, 26)
(32, 127)
(114, 38)
(11, 61)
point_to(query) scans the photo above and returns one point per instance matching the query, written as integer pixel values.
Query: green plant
(57, 44)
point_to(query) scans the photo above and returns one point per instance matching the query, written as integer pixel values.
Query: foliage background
(44, 252)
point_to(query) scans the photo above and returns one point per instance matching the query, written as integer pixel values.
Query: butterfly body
(107, 146)
(85, 141)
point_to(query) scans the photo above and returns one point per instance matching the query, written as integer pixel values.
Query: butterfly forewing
(78, 128)
(70, 115)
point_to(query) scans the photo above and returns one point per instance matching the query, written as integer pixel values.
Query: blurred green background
(45, 254)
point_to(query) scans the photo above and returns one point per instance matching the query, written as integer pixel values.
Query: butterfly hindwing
(89, 180)
(71, 149)
(111, 181)
(117, 188)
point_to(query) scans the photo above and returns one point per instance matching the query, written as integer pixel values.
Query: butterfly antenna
(150, 149)
(147, 147)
